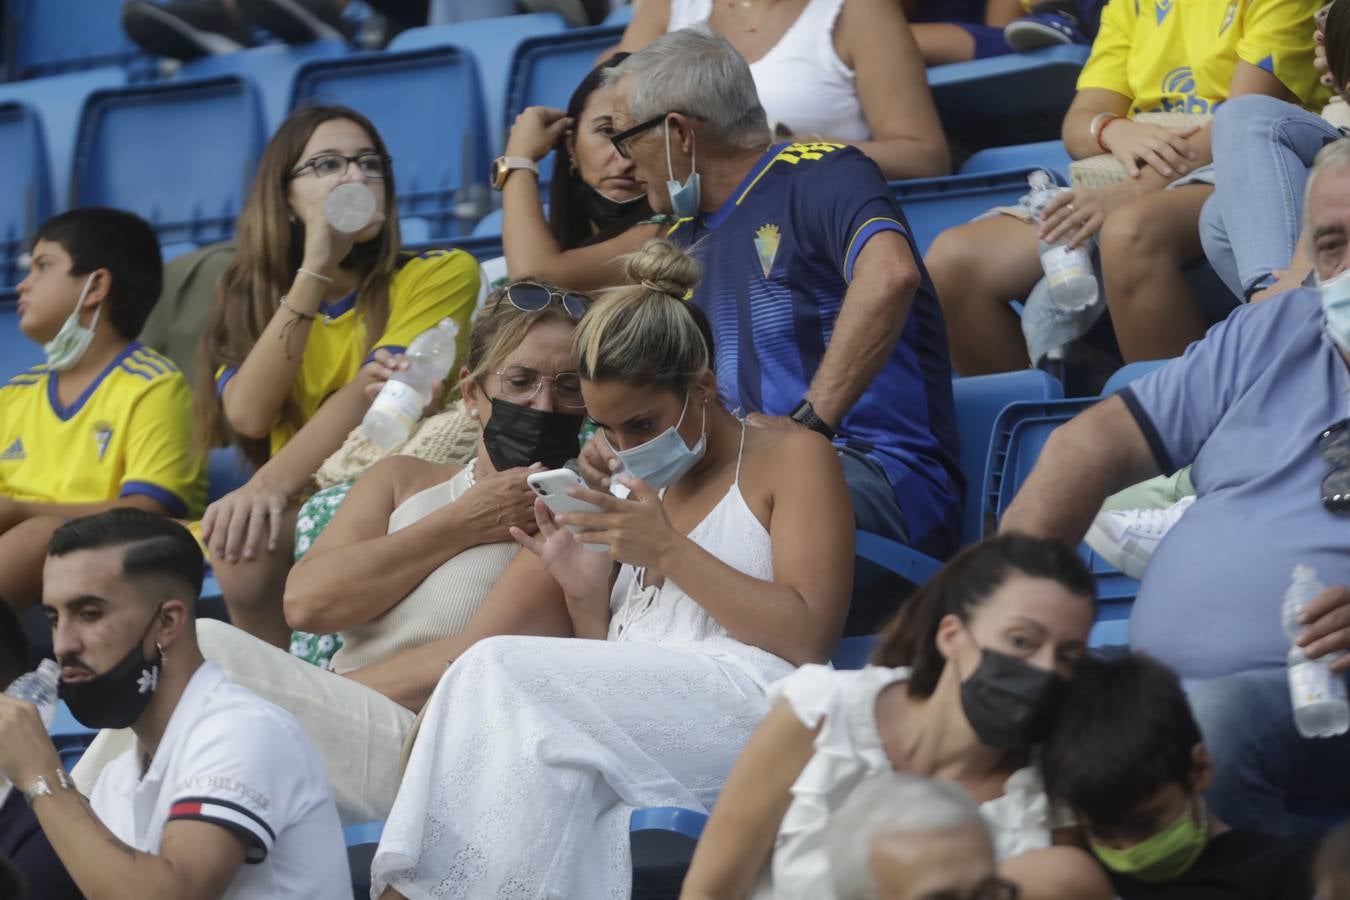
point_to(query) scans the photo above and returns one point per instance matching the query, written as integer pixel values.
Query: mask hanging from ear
(118, 697)
(684, 198)
(65, 351)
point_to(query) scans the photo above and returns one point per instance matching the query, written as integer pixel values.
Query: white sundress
(534, 751)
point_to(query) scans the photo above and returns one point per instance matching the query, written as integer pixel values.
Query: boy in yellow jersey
(105, 421)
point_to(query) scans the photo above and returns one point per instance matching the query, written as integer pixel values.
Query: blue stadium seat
(428, 106)
(932, 205)
(226, 470)
(181, 154)
(17, 352)
(1009, 99)
(1125, 374)
(852, 652)
(58, 101)
(493, 43)
(48, 37)
(70, 737)
(621, 15)
(661, 841)
(23, 159)
(271, 68)
(1049, 155)
(546, 70)
(481, 247)
(362, 842)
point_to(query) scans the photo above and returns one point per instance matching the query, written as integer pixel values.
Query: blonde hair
(499, 327)
(647, 333)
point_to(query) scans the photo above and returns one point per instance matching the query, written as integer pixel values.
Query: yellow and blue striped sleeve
(161, 461)
(434, 286)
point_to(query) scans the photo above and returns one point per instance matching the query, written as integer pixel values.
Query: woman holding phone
(720, 579)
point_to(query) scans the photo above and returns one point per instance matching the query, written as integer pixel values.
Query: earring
(473, 413)
(160, 648)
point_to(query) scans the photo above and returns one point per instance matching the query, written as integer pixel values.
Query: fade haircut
(1123, 731)
(698, 73)
(155, 545)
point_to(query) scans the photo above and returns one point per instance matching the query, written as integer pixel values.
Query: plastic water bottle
(38, 688)
(1318, 695)
(1068, 272)
(391, 418)
(350, 207)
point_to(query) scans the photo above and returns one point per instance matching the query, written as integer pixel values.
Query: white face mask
(1336, 308)
(65, 351)
(661, 461)
(684, 198)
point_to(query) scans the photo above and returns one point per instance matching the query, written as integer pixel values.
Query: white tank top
(802, 82)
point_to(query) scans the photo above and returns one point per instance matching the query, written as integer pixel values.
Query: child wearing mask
(1126, 758)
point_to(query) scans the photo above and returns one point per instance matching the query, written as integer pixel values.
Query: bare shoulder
(404, 476)
(777, 457)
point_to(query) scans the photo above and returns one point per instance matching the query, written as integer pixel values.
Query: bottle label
(1062, 264)
(1312, 682)
(402, 401)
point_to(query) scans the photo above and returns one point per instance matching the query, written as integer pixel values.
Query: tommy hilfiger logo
(14, 452)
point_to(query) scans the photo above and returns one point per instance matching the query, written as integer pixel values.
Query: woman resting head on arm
(962, 686)
(305, 319)
(534, 751)
(597, 212)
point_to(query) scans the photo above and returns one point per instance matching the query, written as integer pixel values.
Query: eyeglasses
(520, 383)
(372, 165)
(1334, 445)
(992, 888)
(528, 296)
(620, 140)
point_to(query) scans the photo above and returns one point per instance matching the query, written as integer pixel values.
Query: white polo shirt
(231, 758)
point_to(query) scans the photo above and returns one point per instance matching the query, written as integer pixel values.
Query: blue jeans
(1263, 149)
(877, 592)
(1261, 762)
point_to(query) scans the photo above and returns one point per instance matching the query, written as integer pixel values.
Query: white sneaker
(1127, 538)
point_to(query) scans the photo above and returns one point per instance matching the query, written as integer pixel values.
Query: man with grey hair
(1259, 408)
(903, 837)
(822, 314)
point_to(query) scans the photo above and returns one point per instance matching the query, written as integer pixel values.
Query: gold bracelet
(312, 274)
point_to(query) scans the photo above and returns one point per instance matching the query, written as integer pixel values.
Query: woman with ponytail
(711, 578)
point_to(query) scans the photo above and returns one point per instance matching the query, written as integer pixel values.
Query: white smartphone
(552, 487)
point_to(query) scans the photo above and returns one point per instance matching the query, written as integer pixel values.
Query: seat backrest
(428, 107)
(1049, 155)
(546, 70)
(932, 205)
(180, 154)
(492, 43)
(23, 159)
(271, 68)
(979, 400)
(47, 37)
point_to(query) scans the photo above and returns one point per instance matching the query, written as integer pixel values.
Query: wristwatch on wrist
(40, 787)
(805, 414)
(503, 166)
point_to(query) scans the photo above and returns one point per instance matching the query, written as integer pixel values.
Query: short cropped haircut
(97, 237)
(15, 654)
(1123, 731)
(155, 545)
(886, 804)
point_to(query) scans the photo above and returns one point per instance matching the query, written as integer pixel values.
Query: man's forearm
(101, 865)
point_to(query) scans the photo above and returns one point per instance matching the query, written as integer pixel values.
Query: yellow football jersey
(1179, 55)
(427, 288)
(129, 433)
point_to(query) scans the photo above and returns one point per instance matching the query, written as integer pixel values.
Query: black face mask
(610, 216)
(1009, 702)
(518, 436)
(116, 698)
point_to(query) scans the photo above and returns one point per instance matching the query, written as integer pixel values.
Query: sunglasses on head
(1334, 445)
(527, 296)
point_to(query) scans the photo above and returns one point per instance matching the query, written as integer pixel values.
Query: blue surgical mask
(661, 461)
(65, 351)
(684, 198)
(1336, 308)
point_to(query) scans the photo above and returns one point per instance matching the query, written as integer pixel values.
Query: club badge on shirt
(767, 238)
(102, 437)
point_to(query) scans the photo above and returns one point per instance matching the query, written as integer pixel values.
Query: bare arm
(1087, 104)
(16, 511)
(650, 20)
(875, 308)
(1085, 460)
(295, 464)
(873, 37)
(525, 600)
(738, 840)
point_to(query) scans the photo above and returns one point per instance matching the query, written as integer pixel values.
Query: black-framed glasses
(620, 140)
(326, 165)
(1334, 445)
(519, 384)
(527, 296)
(992, 888)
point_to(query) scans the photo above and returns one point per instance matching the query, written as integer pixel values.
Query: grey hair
(1333, 156)
(886, 804)
(698, 73)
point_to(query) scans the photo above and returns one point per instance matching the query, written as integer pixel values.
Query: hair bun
(662, 267)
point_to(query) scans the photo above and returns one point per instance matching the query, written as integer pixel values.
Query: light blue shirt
(1245, 406)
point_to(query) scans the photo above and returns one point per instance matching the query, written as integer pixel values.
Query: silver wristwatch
(40, 787)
